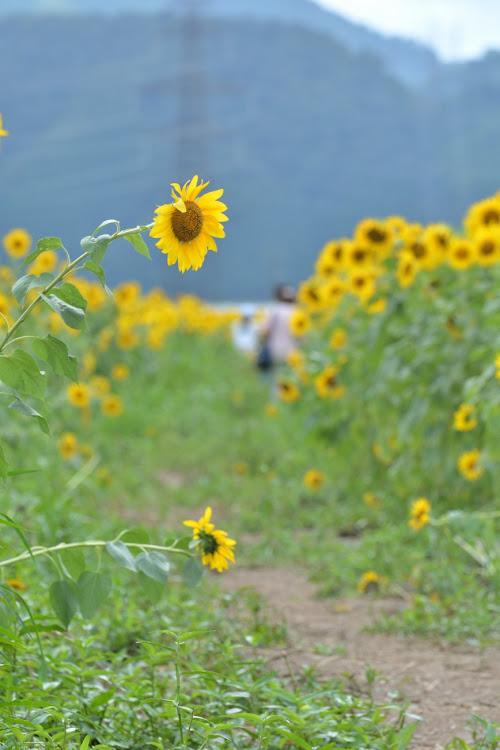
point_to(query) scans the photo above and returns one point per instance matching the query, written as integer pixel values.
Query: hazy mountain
(305, 136)
(408, 60)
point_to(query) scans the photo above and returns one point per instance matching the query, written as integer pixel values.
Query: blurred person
(276, 339)
(245, 332)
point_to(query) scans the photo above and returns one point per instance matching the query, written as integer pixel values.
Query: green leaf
(85, 742)
(192, 572)
(68, 302)
(97, 271)
(122, 555)
(106, 224)
(73, 562)
(55, 353)
(138, 243)
(151, 589)
(96, 246)
(92, 590)
(20, 371)
(23, 408)
(102, 698)
(4, 466)
(64, 600)
(30, 281)
(153, 564)
(46, 243)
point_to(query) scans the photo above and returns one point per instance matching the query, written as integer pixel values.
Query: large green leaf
(120, 552)
(55, 353)
(138, 243)
(30, 281)
(23, 408)
(97, 247)
(151, 589)
(92, 590)
(153, 564)
(73, 562)
(68, 302)
(46, 243)
(20, 371)
(192, 572)
(64, 600)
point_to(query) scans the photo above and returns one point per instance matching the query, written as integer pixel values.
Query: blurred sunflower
(485, 213)
(407, 269)
(17, 242)
(287, 390)
(78, 395)
(68, 445)
(3, 132)
(464, 418)
(375, 235)
(460, 254)
(370, 582)
(187, 227)
(300, 322)
(112, 406)
(419, 514)
(326, 383)
(215, 546)
(486, 245)
(314, 479)
(468, 465)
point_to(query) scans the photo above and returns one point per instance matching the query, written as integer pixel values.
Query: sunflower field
(132, 430)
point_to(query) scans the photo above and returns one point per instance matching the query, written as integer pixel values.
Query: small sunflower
(460, 254)
(371, 500)
(215, 546)
(338, 339)
(300, 322)
(17, 242)
(78, 395)
(16, 583)
(287, 390)
(112, 406)
(486, 244)
(407, 269)
(419, 514)
(464, 418)
(187, 227)
(314, 479)
(468, 465)
(370, 582)
(120, 371)
(68, 445)
(326, 383)
(376, 235)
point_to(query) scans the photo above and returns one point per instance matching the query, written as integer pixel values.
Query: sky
(456, 29)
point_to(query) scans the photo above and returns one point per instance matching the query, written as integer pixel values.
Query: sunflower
(313, 479)
(326, 383)
(16, 583)
(45, 263)
(375, 235)
(17, 242)
(78, 395)
(370, 582)
(287, 390)
(486, 244)
(357, 256)
(338, 339)
(371, 500)
(187, 227)
(112, 406)
(419, 514)
(68, 445)
(460, 254)
(362, 283)
(300, 322)
(485, 213)
(310, 296)
(332, 291)
(3, 133)
(332, 256)
(468, 465)
(464, 418)
(271, 410)
(215, 546)
(120, 371)
(407, 269)
(377, 307)
(437, 237)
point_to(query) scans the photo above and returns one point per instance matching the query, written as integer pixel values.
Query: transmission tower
(191, 126)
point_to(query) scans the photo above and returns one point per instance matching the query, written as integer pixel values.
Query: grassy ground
(195, 433)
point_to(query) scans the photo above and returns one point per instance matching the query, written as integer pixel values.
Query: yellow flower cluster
(419, 514)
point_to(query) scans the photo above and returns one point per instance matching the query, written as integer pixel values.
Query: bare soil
(442, 683)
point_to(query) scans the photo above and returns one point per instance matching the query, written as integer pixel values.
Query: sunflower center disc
(187, 226)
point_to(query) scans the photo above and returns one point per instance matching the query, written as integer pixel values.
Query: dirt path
(442, 683)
